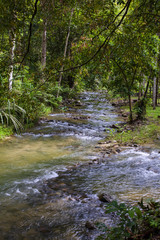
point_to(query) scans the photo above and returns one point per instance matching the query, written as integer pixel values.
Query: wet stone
(114, 126)
(103, 197)
(44, 229)
(118, 150)
(78, 103)
(135, 145)
(90, 225)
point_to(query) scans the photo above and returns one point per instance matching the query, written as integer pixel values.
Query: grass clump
(141, 134)
(152, 114)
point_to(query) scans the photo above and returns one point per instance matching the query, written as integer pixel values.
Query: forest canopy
(50, 50)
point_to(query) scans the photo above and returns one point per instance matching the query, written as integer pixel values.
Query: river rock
(124, 115)
(78, 103)
(114, 104)
(101, 142)
(103, 197)
(108, 152)
(44, 229)
(114, 126)
(135, 145)
(50, 120)
(90, 225)
(118, 150)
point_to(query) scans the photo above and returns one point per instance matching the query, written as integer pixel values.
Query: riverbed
(51, 176)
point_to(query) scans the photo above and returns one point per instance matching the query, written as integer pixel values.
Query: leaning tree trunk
(147, 86)
(12, 54)
(65, 52)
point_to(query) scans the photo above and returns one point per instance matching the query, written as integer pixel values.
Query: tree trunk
(145, 93)
(157, 92)
(65, 52)
(44, 45)
(12, 54)
(44, 48)
(140, 91)
(154, 91)
(130, 108)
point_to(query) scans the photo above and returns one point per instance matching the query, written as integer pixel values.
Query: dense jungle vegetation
(50, 50)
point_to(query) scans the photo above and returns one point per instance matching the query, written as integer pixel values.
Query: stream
(51, 176)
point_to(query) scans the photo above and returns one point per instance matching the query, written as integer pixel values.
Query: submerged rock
(114, 126)
(103, 197)
(124, 115)
(78, 103)
(90, 225)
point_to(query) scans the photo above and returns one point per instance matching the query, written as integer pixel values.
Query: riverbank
(140, 132)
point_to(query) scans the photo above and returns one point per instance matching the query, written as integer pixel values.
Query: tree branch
(105, 43)
(30, 31)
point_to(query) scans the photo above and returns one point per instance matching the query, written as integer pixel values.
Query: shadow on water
(48, 185)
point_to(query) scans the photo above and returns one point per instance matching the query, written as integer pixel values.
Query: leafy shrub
(134, 222)
(140, 108)
(5, 132)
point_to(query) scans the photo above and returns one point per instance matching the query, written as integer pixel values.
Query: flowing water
(48, 189)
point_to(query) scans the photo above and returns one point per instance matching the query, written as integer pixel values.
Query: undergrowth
(134, 222)
(141, 134)
(147, 131)
(5, 132)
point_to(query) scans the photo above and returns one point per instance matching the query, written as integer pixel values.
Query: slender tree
(65, 51)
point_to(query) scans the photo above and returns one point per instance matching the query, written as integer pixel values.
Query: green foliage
(109, 46)
(140, 108)
(134, 222)
(5, 132)
(143, 133)
(153, 114)
(10, 115)
(35, 101)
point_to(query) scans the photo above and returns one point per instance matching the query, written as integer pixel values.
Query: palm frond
(10, 113)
